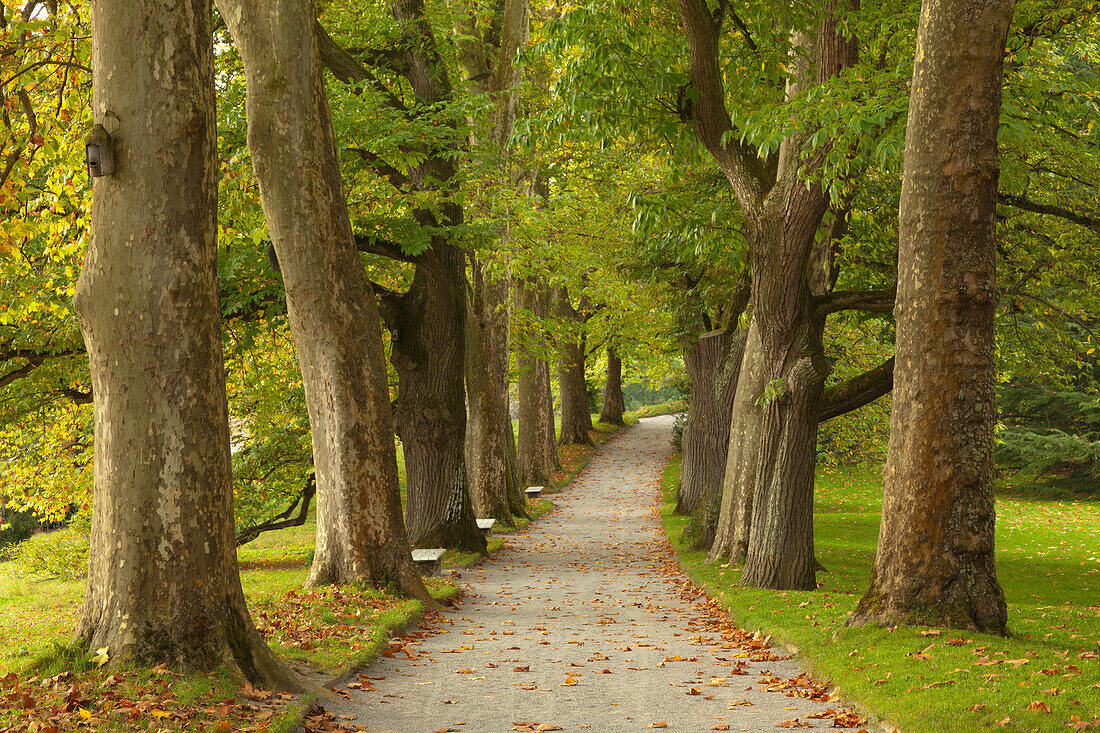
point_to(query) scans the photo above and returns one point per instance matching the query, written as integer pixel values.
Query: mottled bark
(935, 559)
(612, 410)
(489, 53)
(332, 314)
(163, 584)
(576, 417)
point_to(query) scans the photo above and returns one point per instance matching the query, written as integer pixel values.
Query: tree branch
(383, 247)
(349, 70)
(1021, 202)
(283, 519)
(857, 391)
(21, 372)
(396, 178)
(873, 301)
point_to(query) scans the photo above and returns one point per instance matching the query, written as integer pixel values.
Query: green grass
(1048, 561)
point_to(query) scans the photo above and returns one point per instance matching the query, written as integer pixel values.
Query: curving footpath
(582, 623)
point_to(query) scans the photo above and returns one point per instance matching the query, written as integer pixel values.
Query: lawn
(1044, 677)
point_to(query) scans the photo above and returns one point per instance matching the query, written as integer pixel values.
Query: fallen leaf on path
(658, 724)
(569, 681)
(526, 668)
(795, 723)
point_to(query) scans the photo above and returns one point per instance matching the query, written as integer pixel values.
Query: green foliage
(1051, 433)
(15, 526)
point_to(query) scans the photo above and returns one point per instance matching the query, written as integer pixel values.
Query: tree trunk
(428, 330)
(935, 560)
(714, 363)
(163, 584)
(487, 395)
(706, 430)
(731, 535)
(483, 42)
(576, 418)
(333, 316)
(536, 447)
(612, 412)
(782, 216)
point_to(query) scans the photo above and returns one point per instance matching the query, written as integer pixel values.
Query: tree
(163, 584)
(489, 53)
(612, 410)
(360, 534)
(426, 321)
(935, 562)
(576, 417)
(536, 446)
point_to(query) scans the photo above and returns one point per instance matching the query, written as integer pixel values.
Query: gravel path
(583, 623)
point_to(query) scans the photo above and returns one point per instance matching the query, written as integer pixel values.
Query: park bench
(534, 492)
(427, 561)
(486, 527)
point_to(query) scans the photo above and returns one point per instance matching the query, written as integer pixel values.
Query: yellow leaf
(101, 657)
(85, 714)
(160, 714)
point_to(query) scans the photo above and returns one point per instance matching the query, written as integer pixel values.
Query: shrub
(59, 554)
(678, 431)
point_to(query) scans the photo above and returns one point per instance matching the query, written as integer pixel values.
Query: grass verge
(1044, 678)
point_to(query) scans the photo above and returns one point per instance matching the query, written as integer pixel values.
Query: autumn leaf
(693, 691)
(1039, 707)
(720, 726)
(100, 657)
(524, 668)
(84, 713)
(569, 681)
(658, 724)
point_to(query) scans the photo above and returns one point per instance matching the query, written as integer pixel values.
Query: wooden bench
(427, 561)
(534, 492)
(486, 527)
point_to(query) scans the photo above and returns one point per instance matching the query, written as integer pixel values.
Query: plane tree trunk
(163, 583)
(333, 316)
(427, 323)
(488, 52)
(935, 562)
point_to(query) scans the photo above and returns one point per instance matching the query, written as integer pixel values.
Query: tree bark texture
(714, 364)
(731, 534)
(333, 316)
(576, 419)
(487, 394)
(163, 584)
(935, 560)
(428, 329)
(536, 446)
(782, 216)
(488, 52)
(612, 411)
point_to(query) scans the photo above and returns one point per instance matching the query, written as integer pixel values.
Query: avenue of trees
(361, 254)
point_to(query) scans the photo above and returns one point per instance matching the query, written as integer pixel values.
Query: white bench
(486, 527)
(534, 492)
(427, 561)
